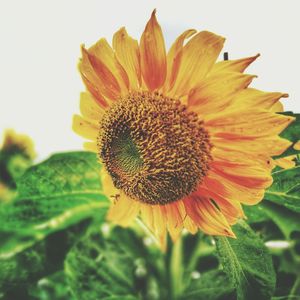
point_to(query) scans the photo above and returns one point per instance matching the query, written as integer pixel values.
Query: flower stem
(176, 270)
(295, 289)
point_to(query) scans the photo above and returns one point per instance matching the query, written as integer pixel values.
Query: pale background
(40, 46)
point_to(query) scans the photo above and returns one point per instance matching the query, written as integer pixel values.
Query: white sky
(40, 46)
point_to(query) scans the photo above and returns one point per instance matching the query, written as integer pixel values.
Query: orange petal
(92, 88)
(207, 217)
(153, 55)
(85, 128)
(106, 83)
(250, 98)
(128, 54)
(231, 209)
(249, 176)
(188, 223)
(98, 78)
(89, 108)
(216, 92)
(105, 55)
(123, 211)
(251, 122)
(231, 190)
(174, 59)
(198, 57)
(237, 65)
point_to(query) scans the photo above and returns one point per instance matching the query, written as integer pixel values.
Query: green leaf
(111, 267)
(285, 189)
(212, 285)
(45, 257)
(53, 195)
(255, 214)
(52, 287)
(247, 263)
(292, 133)
(288, 221)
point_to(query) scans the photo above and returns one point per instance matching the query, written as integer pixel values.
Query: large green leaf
(53, 195)
(110, 267)
(247, 263)
(285, 189)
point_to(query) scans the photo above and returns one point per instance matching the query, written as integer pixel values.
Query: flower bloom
(182, 139)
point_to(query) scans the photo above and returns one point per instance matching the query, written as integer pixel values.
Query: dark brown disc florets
(154, 149)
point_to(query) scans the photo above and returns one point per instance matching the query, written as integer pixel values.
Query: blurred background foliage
(56, 245)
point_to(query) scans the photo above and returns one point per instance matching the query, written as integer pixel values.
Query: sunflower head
(184, 141)
(16, 155)
(154, 149)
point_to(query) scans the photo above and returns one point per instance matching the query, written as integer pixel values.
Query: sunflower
(184, 142)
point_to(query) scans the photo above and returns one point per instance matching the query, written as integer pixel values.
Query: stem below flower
(176, 271)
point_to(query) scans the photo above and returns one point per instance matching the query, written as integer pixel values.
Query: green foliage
(285, 189)
(287, 220)
(111, 266)
(247, 263)
(213, 285)
(55, 245)
(291, 133)
(43, 258)
(53, 287)
(53, 195)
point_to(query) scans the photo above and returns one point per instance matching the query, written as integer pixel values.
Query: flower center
(154, 149)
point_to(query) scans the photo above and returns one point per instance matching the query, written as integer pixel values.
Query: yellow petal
(85, 128)
(198, 57)
(159, 221)
(297, 145)
(174, 220)
(287, 162)
(270, 146)
(174, 59)
(216, 92)
(89, 108)
(277, 107)
(250, 98)
(123, 211)
(245, 123)
(128, 54)
(153, 55)
(247, 160)
(237, 65)
(91, 146)
(107, 185)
